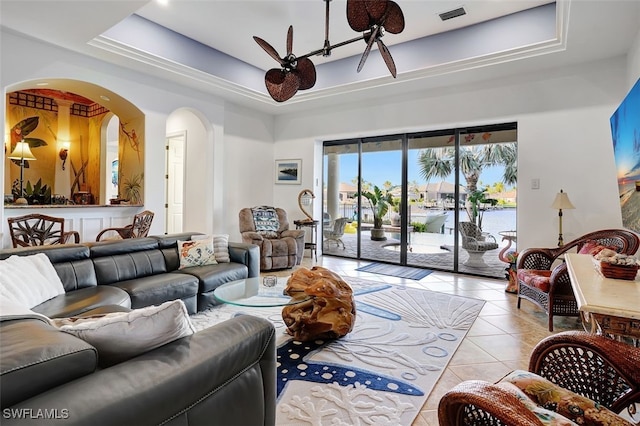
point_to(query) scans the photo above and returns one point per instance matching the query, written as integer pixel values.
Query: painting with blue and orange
(625, 131)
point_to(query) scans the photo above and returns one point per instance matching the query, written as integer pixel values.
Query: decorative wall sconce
(22, 152)
(64, 153)
(305, 198)
(561, 202)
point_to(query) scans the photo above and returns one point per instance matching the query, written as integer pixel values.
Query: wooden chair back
(137, 229)
(38, 230)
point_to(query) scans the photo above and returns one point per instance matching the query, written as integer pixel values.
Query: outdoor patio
(427, 250)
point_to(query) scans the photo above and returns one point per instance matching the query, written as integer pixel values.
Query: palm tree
(440, 162)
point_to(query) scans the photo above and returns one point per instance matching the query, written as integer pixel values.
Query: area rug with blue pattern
(380, 373)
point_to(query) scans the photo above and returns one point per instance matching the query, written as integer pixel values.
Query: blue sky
(379, 167)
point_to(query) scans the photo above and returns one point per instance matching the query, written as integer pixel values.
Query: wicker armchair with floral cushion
(574, 376)
(545, 282)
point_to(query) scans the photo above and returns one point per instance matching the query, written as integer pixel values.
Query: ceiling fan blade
(269, 49)
(290, 40)
(372, 37)
(376, 9)
(306, 71)
(393, 20)
(386, 55)
(357, 15)
(281, 85)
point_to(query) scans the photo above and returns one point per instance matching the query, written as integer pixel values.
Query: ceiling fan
(371, 17)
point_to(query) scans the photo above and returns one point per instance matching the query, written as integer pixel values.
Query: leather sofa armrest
(193, 380)
(248, 255)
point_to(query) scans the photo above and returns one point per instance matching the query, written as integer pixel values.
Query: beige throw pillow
(220, 246)
(119, 336)
(196, 253)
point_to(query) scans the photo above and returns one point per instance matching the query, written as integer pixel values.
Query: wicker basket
(618, 272)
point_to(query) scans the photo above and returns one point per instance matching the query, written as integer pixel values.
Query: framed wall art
(289, 172)
(625, 130)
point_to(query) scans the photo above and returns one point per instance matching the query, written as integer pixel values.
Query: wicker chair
(38, 230)
(548, 285)
(137, 229)
(596, 367)
(335, 232)
(476, 243)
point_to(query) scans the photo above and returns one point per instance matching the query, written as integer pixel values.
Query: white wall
(563, 118)
(633, 62)
(564, 139)
(155, 97)
(196, 169)
(249, 168)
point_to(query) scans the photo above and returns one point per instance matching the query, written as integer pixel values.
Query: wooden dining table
(607, 306)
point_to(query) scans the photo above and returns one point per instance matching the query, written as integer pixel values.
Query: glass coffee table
(252, 292)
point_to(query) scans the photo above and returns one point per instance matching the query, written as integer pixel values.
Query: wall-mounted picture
(289, 171)
(625, 130)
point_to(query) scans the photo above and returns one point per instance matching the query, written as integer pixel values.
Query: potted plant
(379, 201)
(132, 189)
(476, 199)
(396, 219)
(34, 194)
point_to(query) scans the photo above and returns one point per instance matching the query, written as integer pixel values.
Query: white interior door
(175, 181)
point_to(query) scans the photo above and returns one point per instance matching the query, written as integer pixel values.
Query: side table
(312, 246)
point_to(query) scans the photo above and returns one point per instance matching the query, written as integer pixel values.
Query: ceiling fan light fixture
(372, 18)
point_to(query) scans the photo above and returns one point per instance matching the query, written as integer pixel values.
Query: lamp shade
(21, 152)
(562, 202)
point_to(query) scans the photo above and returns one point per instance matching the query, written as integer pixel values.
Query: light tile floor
(500, 340)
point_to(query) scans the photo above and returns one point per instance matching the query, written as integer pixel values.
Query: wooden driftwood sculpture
(330, 312)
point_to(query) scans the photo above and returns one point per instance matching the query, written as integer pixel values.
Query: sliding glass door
(433, 198)
(411, 199)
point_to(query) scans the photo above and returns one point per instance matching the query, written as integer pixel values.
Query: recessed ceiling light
(163, 2)
(105, 98)
(44, 83)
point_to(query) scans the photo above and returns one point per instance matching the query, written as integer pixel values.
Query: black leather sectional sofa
(136, 272)
(222, 375)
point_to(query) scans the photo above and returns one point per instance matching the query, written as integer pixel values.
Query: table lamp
(305, 198)
(561, 203)
(21, 152)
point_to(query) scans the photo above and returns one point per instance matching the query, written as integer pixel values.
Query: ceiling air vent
(453, 13)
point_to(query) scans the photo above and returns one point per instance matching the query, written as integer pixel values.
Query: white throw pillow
(220, 246)
(196, 253)
(119, 336)
(29, 280)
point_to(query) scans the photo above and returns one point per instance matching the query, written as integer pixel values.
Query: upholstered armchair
(543, 277)
(586, 378)
(268, 228)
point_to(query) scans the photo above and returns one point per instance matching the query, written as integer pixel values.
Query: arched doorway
(65, 121)
(188, 169)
